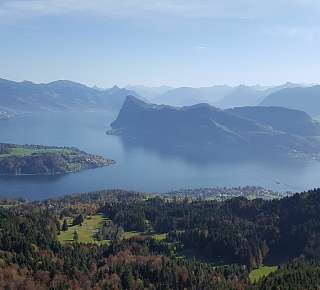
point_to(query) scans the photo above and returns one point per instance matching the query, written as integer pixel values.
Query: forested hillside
(145, 242)
(46, 160)
(205, 132)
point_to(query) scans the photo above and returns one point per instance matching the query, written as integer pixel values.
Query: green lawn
(261, 272)
(85, 232)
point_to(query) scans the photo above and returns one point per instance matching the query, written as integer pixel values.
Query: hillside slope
(204, 129)
(58, 96)
(301, 98)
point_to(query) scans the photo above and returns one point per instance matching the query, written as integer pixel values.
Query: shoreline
(56, 174)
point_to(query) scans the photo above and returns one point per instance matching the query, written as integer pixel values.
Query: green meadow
(85, 232)
(261, 272)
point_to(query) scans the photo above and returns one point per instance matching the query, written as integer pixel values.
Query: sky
(167, 42)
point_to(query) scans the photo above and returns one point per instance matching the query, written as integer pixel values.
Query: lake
(137, 168)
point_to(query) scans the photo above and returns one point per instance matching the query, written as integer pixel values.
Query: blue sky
(172, 42)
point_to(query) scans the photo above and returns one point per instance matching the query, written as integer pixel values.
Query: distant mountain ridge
(187, 96)
(149, 92)
(204, 129)
(64, 95)
(58, 96)
(279, 118)
(242, 96)
(301, 98)
(221, 96)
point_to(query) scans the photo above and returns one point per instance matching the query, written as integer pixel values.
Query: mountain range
(205, 130)
(186, 96)
(64, 95)
(302, 98)
(149, 92)
(58, 96)
(221, 96)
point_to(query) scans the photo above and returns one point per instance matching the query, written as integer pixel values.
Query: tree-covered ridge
(299, 274)
(181, 243)
(44, 160)
(238, 230)
(32, 258)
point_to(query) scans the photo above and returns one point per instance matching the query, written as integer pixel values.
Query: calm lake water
(137, 168)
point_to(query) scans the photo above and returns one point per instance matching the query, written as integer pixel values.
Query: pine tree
(78, 220)
(65, 225)
(75, 236)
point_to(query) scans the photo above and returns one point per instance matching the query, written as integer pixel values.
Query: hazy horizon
(262, 85)
(196, 44)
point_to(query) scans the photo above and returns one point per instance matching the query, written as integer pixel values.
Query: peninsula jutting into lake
(45, 160)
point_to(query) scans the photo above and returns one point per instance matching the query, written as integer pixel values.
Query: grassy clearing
(85, 232)
(7, 205)
(21, 151)
(159, 237)
(128, 235)
(261, 272)
(90, 226)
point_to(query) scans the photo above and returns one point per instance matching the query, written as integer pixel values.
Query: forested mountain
(279, 118)
(203, 129)
(161, 243)
(58, 96)
(301, 98)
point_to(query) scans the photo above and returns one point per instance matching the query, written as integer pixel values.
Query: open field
(7, 205)
(90, 226)
(261, 272)
(159, 237)
(85, 232)
(26, 151)
(128, 235)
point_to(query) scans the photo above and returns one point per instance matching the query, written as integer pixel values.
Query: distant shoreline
(56, 174)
